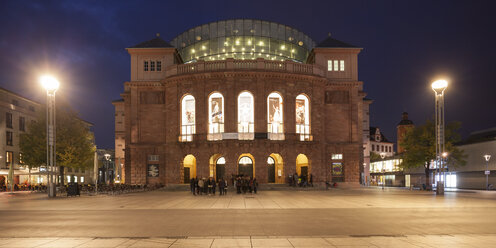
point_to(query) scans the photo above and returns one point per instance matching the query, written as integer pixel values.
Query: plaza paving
(334, 218)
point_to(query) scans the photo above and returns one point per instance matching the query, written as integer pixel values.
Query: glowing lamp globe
(50, 83)
(439, 86)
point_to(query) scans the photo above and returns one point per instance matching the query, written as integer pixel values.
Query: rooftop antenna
(157, 34)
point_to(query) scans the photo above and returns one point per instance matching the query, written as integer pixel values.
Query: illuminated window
(188, 127)
(335, 65)
(152, 65)
(275, 116)
(82, 179)
(302, 109)
(337, 156)
(246, 121)
(215, 116)
(159, 65)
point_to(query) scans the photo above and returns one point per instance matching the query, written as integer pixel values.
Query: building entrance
(271, 170)
(245, 167)
(220, 168)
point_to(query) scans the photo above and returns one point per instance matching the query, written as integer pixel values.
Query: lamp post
(487, 157)
(51, 85)
(383, 155)
(106, 167)
(439, 86)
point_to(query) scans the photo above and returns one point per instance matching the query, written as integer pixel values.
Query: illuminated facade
(241, 97)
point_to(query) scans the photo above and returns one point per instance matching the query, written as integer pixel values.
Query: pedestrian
(214, 185)
(238, 185)
(250, 185)
(255, 185)
(209, 185)
(192, 185)
(311, 179)
(201, 184)
(221, 187)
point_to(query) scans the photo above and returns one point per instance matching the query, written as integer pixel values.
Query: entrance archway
(275, 170)
(217, 166)
(189, 168)
(303, 168)
(246, 165)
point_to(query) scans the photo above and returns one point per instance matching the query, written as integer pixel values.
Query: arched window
(215, 116)
(275, 116)
(246, 128)
(302, 108)
(187, 118)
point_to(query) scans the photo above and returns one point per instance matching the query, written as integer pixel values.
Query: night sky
(407, 44)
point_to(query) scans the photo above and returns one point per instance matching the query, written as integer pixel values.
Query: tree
(74, 142)
(420, 147)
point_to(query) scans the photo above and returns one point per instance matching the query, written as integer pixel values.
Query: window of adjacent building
(9, 159)
(15, 102)
(335, 65)
(31, 108)
(152, 65)
(246, 118)
(22, 123)
(215, 116)
(377, 147)
(145, 65)
(337, 156)
(275, 115)
(153, 157)
(8, 120)
(302, 109)
(9, 136)
(188, 126)
(382, 148)
(159, 65)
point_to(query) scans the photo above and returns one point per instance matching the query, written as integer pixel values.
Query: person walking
(250, 185)
(209, 185)
(221, 187)
(311, 179)
(214, 186)
(192, 185)
(225, 187)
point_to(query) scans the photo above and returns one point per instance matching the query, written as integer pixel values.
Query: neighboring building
(379, 144)
(403, 126)
(16, 112)
(366, 141)
(120, 142)
(472, 176)
(241, 97)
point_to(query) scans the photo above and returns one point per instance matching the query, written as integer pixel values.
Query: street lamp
(487, 157)
(439, 87)
(51, 85)
(383, 155)
(106, 167)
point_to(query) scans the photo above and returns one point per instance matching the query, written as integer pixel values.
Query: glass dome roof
(243, 39)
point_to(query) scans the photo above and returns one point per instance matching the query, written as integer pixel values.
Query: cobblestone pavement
(336, 218)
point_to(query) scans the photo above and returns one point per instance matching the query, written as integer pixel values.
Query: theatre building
(241, 97)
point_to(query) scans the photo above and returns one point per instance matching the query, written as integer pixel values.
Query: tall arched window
(246, 128)
(275, 116)
(302, 108)
(188, 121)
(215, 116)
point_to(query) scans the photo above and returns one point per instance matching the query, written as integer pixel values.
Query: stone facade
(152, 117)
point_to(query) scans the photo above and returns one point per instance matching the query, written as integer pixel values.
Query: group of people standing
(301, 181)
(208, 186)
(245, 184)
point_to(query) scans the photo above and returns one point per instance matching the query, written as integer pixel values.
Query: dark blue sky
(407, 44)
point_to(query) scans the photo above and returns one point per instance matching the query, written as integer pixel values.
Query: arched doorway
(246, 165)
(220, 168)
(189, 168)
(275, 170)
(217, 166)
(303, 168)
